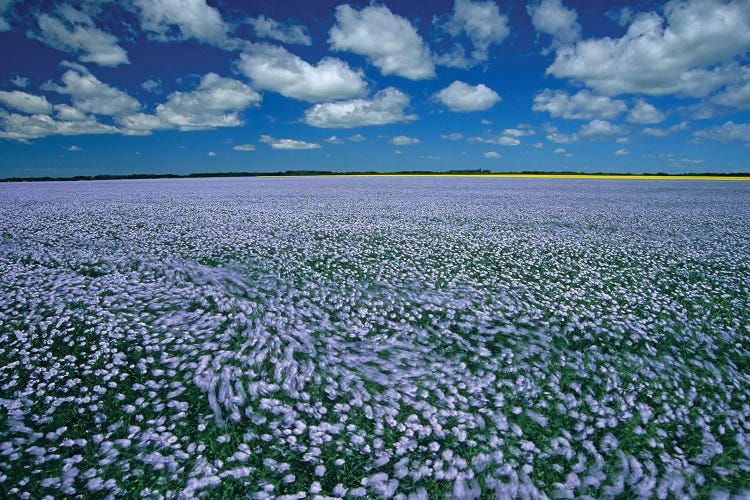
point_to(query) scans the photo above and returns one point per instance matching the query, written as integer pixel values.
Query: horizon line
(478, 173)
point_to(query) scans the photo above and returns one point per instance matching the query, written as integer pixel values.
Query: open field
(608, 177)
(375, 337)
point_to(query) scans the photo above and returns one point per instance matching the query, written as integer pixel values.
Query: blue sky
(178, 86)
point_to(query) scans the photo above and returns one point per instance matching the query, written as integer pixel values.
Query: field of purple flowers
(375, 337)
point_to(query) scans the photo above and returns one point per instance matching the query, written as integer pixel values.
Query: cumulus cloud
(737, 94)
(73, 148)
(683, 52)
(274, 68)
(403, 140)
(492, 154)
(481, 22)
(211, 153)
(216, 102)
(182, 19)
(501, 140)
(729, 132)
(66, 112)
(505, 140)
(72, 30)
(152, 86)
(25, 102)
(645, 113)
(464, 98)
(24, 127)
(554, 135)
(389, 41)
(560, 151)
(518, 132)
(508, 137)
(20, 81)
(5, 6)
(90, 95)
(357, 138)
(265, 27)
(387, 106)
(622, 152)
(554, 19)
(334, 140)
(664, 132)
(581, 106)
(597, 129)
(244, 147)
(455, 136)
(287, 143)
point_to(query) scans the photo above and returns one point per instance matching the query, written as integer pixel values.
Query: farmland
(375, 337)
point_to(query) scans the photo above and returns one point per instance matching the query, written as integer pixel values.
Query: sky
(180, 86)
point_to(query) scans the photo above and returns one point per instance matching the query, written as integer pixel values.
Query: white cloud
(464, 98)
(729, 132)
(211, 154)
(538, 145)
(142, 124)
(485, 121)
(504, 140)
(66, 112)
(73, 148)
(265, 27)
(275, 68)
(244, 147)
(334, 140)
(75, 31)
(737, 94)
(664, 132)
(216, 102)
(182, 19)
(645, 113)
(402, 140)
(389, 41)
(387, 106)
(554, 135)
(582, 106)
(622, 16)
(481, 22)
(596, 129)
(25, 102)
(455, 136)
(622, 152)
(492, 155)
(673, 54)
(5, 6)
(622, 140)
(90, 95)
(553, 18)
(23, 127)
(287, 143)
(518, 132)
(357, 138)
(20, 81)
(508, 137)
(152, 86)
(560, 151)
